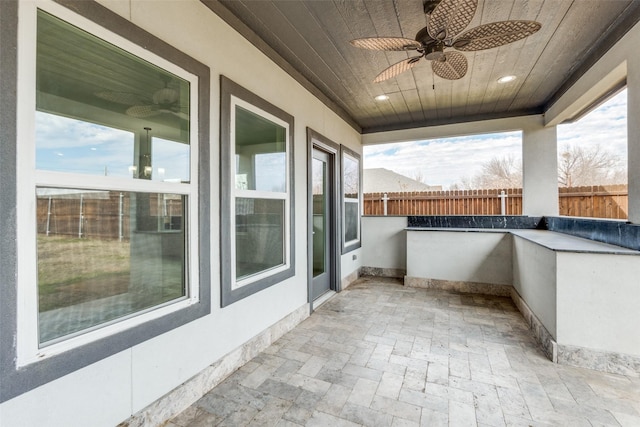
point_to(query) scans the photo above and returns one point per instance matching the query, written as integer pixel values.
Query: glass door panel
(319, 217)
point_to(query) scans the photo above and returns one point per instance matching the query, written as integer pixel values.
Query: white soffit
(454, 130)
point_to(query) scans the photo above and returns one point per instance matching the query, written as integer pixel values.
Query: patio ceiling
(310, 39)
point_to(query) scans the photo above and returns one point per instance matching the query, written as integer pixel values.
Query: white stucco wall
(108, 392)
(633, 135)
(539, 169)
(534, 278)
(598, 301)
(384, 242)
(466, 256)
(350, 266)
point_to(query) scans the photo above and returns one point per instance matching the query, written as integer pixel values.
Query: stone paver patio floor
(381, 354)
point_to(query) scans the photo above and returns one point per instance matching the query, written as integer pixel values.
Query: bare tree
(418, 175)
(350, 176)
(465, 183)
(499, 172)
(578, 166)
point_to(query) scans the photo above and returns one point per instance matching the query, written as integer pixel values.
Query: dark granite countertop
(613, 232)
(476, 221)
(555, 241)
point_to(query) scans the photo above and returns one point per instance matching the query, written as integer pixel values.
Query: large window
(466, 175)
(592, 162)
(109, 165)
(351, 200)
(117, 128)
(257, 165)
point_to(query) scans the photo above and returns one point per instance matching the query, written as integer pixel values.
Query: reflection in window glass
(260, 153)
(270, 171)
(259, 235)
(257, 246)
(70, 145)
(351, 177)
(260, 167)
(169, 160)
(95, 262)
(351, 195)
(96, 116)
(105, 255)
(351, 220)
(319, 190)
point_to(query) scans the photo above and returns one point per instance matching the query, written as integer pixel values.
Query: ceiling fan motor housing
(434, 51)
(423, 37)
(429, 5)
(165, 96)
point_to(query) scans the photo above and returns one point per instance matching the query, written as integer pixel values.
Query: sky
(447, 161)
(68, 145)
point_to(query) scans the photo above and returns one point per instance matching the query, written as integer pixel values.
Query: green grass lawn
(72, 271)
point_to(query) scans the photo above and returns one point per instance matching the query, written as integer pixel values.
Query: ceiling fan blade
(495, 34)
(125, 98)
(142, 111)
(452, 66)
(180, 114)
(450, 17)
(386, 43)
(397, 68)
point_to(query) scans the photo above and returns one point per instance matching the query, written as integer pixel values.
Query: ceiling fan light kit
(446, 19)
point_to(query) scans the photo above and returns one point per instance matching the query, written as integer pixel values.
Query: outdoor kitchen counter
(552, 240)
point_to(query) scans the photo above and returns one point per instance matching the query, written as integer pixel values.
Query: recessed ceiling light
(382, 97)
(506, 79)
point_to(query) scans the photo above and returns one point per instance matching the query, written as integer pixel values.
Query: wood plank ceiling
(313, 38)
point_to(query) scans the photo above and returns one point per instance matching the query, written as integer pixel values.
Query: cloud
(446, 161)
(606, 126)
(62, 133)
(69, 145)
(170, 160)
(270, 171)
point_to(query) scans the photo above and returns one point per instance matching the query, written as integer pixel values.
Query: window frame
(351, 245)
(20, 369)
(232, 95)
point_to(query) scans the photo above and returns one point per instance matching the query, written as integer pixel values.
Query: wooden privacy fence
(100, 215)
(105, 214)
(594, 201)
(603, 201)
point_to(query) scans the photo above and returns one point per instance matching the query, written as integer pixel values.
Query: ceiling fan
(164, 100)
(445, 21)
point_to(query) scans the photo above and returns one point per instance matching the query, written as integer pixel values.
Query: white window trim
(256, 194)
(28, 350)
(352, 200)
